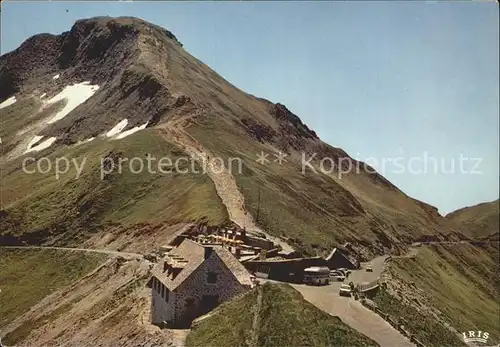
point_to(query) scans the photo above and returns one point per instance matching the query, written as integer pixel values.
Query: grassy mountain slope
(145, 75)
(317, 210)
(27, 276)
(457, 284)
(75, 299)
(478, 221)
(39, 207)
(283, 318)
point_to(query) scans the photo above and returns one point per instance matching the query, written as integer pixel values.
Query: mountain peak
(121, 25)
(125, 73)
(96, 49)
(94, 38)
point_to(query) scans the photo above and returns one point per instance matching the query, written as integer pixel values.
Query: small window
(163, 292)
(167, 292)
(211, 277)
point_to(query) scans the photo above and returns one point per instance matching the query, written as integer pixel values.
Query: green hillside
(29, 275)
(478, 221)
(460, 281)
(273, 315)
(40, 206)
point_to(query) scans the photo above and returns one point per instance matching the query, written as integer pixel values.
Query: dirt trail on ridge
(222, 178)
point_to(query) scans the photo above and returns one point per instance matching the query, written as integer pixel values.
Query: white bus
(317, 275)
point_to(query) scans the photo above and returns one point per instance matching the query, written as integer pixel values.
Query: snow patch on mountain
(75, 95)
(84, 141)
(33, 141)
(117, 128)
(56, 77)
(8, 102)
(131, 131)
(43, 145)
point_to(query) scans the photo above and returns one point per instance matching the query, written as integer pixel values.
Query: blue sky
(382, 80)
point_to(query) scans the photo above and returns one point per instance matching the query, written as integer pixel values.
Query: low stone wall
(259, 242)
(367, 287)
(272, 252)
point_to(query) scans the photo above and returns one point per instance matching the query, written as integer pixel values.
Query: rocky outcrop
(291, 124)
(104, 51)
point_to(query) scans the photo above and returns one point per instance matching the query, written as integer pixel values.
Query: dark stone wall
(287, 270)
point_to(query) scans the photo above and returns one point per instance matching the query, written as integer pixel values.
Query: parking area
(356, 276)
(354, 314)
(351, 311)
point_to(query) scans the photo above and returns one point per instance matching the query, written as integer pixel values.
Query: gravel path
(223, 179)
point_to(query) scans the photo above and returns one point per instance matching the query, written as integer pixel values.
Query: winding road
(354, 314)
(351, 311)
(326, 298)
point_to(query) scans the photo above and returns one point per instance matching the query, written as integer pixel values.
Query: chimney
(237, 252)
(208, 252)
(263, 254)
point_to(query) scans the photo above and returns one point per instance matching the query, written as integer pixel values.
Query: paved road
(360, 276)
(90, 250)
(358, 317)
(350, 311)
(416, 244)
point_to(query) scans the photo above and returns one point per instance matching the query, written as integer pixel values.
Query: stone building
(241, 244)
(192, 280)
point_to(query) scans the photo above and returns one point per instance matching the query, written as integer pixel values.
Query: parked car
(337, 275)
(345, 290)
(369, 268)
(345, 271)
(340, 271)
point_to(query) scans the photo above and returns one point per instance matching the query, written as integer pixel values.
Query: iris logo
(475, 336)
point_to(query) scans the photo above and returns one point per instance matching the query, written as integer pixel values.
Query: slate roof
(238, 270)
(189, 255)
